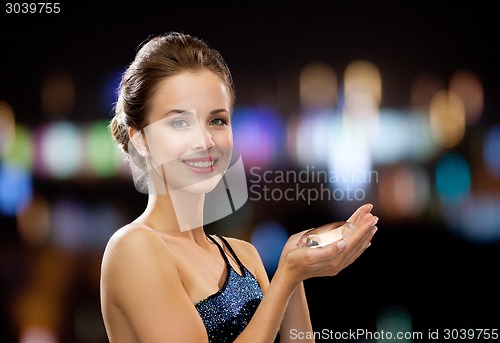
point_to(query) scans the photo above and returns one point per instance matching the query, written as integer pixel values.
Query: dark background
(417, 267)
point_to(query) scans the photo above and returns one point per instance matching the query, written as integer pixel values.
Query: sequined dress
(227, 312)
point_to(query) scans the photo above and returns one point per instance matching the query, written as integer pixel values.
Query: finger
(366, 240)
(360, 212)
(367, 221)
(360, 239)
(352, 255)
(363, 227)
(354, 247)
(335, 260)
(325, 253)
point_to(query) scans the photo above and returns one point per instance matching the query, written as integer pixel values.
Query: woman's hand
(304, 263)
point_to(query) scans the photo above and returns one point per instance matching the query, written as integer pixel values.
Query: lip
(201, 165)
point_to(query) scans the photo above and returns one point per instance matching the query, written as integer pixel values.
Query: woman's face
(189, 136)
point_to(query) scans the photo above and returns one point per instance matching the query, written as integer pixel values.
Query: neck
(175, 212)
(188, 209)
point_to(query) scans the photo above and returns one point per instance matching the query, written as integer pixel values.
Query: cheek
(224, 139)
(167, 147)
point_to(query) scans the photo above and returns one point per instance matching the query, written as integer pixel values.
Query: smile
(200, 164)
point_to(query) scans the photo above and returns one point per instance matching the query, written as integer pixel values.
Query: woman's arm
(296, 321)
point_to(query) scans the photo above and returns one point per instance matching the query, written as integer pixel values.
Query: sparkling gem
(326, 234)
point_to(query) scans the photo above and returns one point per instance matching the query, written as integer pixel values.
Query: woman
(163, 278)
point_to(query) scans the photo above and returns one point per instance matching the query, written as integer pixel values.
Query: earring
(142, 153)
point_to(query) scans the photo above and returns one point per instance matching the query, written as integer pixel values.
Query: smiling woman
(163, 279)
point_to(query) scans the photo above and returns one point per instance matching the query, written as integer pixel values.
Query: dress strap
(220, 249)
(228, 246)
(226, 243)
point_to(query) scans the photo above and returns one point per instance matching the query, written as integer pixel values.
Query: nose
(202, 139)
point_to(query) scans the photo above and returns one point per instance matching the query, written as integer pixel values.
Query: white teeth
(200, 164)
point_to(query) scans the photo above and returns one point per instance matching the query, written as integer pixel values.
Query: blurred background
(338, 104)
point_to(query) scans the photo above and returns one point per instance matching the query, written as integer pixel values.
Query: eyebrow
(189, 112)
(220, 110)
(173, 112)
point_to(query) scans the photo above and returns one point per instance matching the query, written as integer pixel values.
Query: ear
(138, 139)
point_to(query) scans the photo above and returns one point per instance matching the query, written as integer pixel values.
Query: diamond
(326, 234)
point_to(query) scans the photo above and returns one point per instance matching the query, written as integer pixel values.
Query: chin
(204, 186)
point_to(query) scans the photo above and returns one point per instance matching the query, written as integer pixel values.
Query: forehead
(199, 90)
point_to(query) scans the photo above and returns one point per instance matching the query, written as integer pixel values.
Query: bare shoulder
(135, 252)
(134, 246)
(134, 236)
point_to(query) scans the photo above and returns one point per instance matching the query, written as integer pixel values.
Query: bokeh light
(478, 219)
(58, 93)
(314, 136)
(404, 191)
(61, 151)
(7, 127)
(111, 85)
(362, 97)
(103, 156)
(318, 86)
(467, 85)
(395, 319)
(403, 136)
(453, 178)
(447, 119)
(350, 162)
(269, 238)
(33, 223)
(69, 221)
(16, 189)
(21, 149)
(38, 334)
(362, 90)
(259, 135)
(491, 153)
